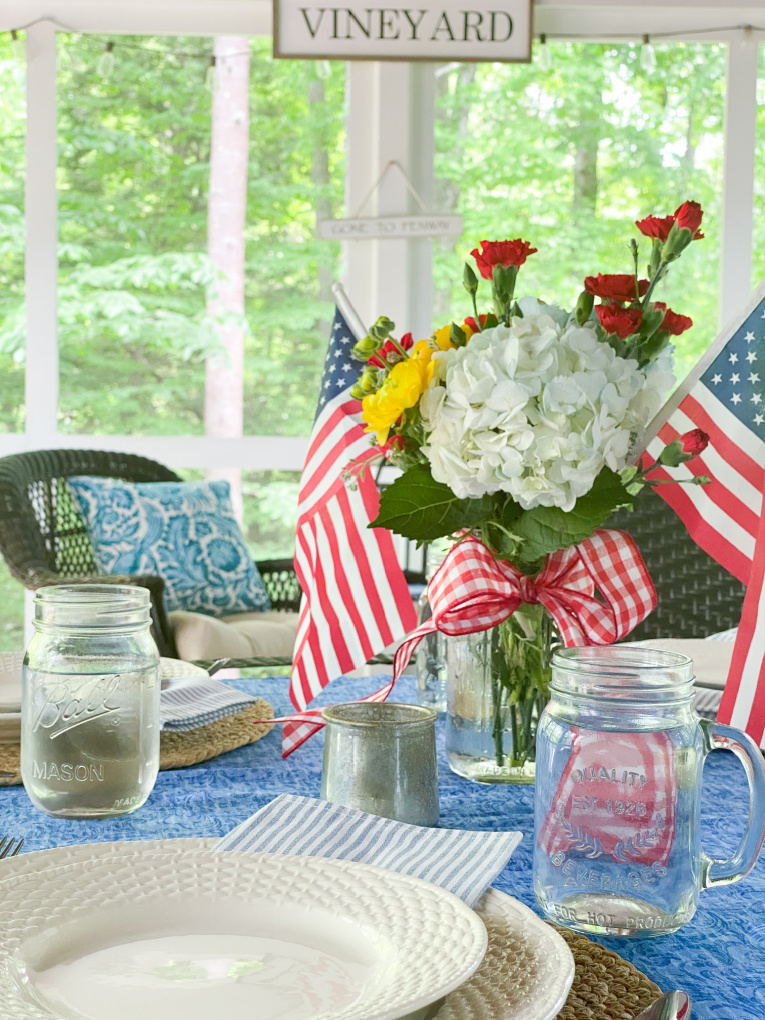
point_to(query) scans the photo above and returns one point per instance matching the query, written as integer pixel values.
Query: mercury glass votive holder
(381, 758)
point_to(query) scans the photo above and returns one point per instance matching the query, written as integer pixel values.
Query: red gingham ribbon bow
(472, 591)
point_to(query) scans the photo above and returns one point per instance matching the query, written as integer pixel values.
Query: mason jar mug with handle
(620, 754)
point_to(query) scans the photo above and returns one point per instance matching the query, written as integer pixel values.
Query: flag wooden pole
(348, 312)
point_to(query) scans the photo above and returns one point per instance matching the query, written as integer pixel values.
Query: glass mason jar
(620, 752)
(498, 685)
(90, 702)
(430, 656)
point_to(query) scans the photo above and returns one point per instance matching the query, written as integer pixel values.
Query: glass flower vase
(498, 685)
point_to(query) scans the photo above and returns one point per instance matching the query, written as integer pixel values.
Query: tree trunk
(586, 153)
(226, 216)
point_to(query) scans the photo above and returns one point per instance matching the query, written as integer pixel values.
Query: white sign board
(442, 30)
(368, 228)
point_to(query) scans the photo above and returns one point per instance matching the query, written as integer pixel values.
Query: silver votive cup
(381, 758)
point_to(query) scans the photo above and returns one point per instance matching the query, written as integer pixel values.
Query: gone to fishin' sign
(492, 30)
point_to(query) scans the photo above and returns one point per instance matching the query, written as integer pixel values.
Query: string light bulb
(648, 56)
(212, 78)
(106, 61)
(18, 47)
(323, 69)
(544, 55)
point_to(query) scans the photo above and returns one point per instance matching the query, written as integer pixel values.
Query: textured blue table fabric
(718, 958)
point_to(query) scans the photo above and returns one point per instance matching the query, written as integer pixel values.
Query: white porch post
(738, 174)
(390, 118)
(41, 269)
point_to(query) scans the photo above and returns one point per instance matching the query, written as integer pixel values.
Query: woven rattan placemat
(178, 750)
(605, 987)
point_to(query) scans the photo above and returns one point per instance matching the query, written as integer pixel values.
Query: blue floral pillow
(184, 531)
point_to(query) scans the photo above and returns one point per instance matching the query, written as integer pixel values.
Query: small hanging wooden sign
(366, 228)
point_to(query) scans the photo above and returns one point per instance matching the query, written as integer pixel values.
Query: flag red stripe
(717, 491)
(349, 600)
(356, 545)
(339, 416)
(726, 447)
(737, 675)
(729, 556)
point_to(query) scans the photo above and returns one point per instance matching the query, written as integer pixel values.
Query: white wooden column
(41, 269)
(390, 118)
(738, 174)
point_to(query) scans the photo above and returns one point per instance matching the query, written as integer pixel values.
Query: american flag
(725, 396)
(356, 600)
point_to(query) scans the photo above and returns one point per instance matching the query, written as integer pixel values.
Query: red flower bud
(673, 322)
(694, 442)
(470, 321)
(501, 253)
(390, 353)
(688, 216)
(615, 287)
(395, 443)
(620, 321)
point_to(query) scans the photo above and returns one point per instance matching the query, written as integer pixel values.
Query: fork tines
(9, 846)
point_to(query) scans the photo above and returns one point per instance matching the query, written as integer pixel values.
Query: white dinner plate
(10, 689)
(526, 973)
(109, 934)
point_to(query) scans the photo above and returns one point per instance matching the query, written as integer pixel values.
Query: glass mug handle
(723, 872)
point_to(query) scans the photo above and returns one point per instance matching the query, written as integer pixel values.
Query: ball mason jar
(90, 702)
(620, 753)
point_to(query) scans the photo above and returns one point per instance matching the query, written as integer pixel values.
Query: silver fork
(9, 846)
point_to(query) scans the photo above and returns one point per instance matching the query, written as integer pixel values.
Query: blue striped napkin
(464, 863)
(195, 701)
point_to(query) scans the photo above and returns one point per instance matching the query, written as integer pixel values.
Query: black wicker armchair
(43, 537)
(696, 597)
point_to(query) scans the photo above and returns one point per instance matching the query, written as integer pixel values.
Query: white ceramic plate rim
(493, 901)
(364, 874)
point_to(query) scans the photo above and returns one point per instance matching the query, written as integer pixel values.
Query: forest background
(566, 156)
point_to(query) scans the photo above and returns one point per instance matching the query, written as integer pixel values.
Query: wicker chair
(696, 597)
(43, 537)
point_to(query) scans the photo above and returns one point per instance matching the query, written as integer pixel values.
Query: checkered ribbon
(473, 591)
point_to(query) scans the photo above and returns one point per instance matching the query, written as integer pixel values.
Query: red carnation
(390, 353)
(694, 442)
(618, 320)
(656, 226)
(688, 216)
(615, 287)
(501, 253)
(673, 322)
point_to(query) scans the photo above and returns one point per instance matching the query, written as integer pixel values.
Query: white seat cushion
(238, 637)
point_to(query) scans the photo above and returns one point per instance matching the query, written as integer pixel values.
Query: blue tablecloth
(719, 957)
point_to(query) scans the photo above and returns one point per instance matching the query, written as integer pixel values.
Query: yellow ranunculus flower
(402, 389)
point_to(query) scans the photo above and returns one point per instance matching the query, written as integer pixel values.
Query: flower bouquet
(513, 431)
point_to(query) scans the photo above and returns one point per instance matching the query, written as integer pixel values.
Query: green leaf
(422, 509)
(547, 528)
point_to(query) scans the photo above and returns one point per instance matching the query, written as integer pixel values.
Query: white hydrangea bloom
(536, 409)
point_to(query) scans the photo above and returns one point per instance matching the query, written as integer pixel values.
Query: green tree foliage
(569, 158)
(12, 130)
(133, 170)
